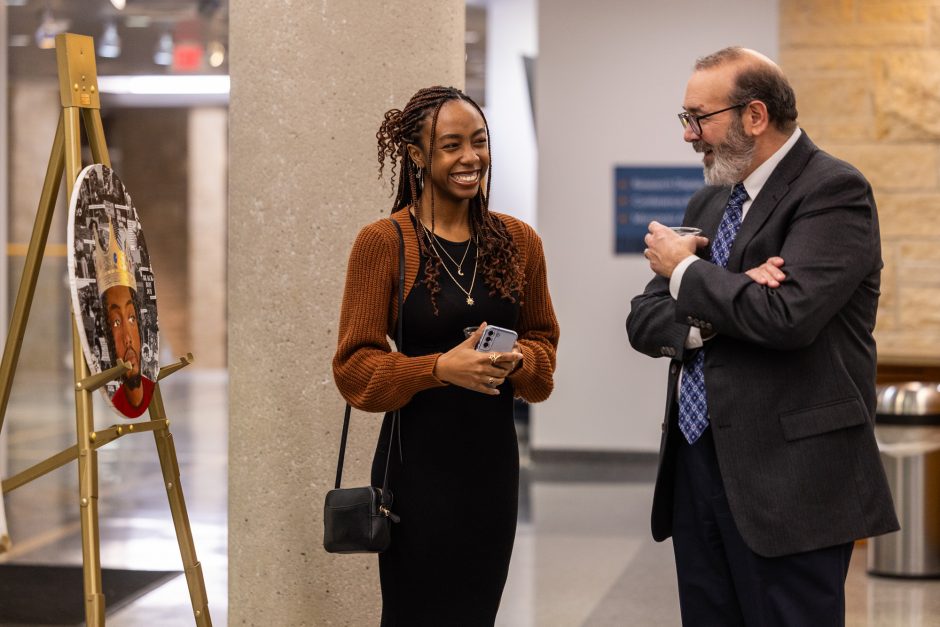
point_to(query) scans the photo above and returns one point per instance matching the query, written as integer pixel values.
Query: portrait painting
(113, 294)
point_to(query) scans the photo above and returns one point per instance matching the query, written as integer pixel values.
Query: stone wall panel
(833, 95)
(920, 308)
(867, 74)
(908, 215)
(856, 36)
(907, 95)
(893, 12)
(806, 12)
(893, 167)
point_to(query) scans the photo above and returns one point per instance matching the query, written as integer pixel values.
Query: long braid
(432, 268)
(501, 270)
(498, 253)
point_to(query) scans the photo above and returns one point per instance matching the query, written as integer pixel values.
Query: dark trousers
(722, 583)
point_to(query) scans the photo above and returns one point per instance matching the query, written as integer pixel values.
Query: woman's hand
(469, 368)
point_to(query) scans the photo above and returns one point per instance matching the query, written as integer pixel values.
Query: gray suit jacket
(790, 373)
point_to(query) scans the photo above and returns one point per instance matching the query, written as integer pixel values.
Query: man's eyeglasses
(694, 121)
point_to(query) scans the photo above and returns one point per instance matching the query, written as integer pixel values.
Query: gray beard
(731, 158)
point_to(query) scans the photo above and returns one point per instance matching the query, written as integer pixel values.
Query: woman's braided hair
(498, 259)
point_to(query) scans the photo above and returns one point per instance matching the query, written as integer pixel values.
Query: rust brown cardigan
(374, 378)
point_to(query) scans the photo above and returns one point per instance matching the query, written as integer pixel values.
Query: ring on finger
(494, 357)
(490, 382)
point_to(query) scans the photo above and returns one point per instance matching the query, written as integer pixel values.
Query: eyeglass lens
(690, 121)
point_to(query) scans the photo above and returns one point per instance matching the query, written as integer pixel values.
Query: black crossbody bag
(359, 520)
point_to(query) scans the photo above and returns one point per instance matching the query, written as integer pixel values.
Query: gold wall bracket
(79, 95)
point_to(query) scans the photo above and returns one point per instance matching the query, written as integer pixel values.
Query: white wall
(610, 79)
(511, 34)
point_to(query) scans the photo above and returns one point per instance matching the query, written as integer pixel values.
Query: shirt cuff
(675, 281)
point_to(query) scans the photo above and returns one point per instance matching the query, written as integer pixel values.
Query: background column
(310, 84)
(208, 167)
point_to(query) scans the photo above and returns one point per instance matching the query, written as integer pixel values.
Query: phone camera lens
(486, 345)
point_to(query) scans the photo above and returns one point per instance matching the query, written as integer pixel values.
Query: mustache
(699, 146)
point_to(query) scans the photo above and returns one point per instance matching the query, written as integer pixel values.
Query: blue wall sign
(644, 194)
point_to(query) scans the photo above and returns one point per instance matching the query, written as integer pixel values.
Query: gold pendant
(469, 301)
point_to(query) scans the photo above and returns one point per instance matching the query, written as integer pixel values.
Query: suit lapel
(770, 195)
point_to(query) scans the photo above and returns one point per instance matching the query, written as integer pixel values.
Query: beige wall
(310, 84)
(867, 78)
(149, 151)
(34, 111)
(208, 209)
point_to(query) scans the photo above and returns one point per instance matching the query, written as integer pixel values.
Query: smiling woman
(454, 449)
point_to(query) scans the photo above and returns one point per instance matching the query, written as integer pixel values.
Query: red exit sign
(187, 57)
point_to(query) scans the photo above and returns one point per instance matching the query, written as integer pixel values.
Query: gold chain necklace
(476, 259)
(459, 266)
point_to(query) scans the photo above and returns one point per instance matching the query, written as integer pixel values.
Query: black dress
(455, 479)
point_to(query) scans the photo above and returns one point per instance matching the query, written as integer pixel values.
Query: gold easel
(78, 87)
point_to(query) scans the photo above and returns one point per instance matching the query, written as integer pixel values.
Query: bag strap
(342, 447)
(398, 344)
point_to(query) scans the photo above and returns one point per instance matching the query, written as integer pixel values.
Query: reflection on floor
(136, 528)
(583, 555)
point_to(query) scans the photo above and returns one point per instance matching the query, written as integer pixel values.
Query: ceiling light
(163, 55)
(137, 21)
(119, 4)
(109, 46)
(164, 84)
(216, 53)
(48, 29)
(16, 3)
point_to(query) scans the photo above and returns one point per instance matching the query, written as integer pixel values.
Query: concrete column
(208, 172)
(310, 84)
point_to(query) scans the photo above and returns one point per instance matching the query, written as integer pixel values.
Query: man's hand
(665, 248)
(768, 273)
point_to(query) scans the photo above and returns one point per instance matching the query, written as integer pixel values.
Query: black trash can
(907, 428)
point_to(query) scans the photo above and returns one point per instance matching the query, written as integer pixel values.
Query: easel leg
(166, 450)
(84, 418)
(88, 492)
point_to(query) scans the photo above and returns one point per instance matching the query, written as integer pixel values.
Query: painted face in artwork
(123, 325)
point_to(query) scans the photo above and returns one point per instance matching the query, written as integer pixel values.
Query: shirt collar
(756, 180)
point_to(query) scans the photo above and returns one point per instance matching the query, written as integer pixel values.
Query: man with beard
(121, 315)
(769, 468)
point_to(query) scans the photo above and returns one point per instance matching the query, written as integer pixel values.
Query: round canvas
(113, 294)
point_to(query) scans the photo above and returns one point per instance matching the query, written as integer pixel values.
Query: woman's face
(461, 152)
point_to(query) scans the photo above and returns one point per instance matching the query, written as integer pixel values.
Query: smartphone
(497, 339)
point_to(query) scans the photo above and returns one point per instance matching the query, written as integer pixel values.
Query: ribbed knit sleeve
(538, 327)
(367, 372)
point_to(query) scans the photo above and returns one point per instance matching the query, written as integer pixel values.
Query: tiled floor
(583, 554)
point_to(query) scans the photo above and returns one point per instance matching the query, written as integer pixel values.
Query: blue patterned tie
(693, 405)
